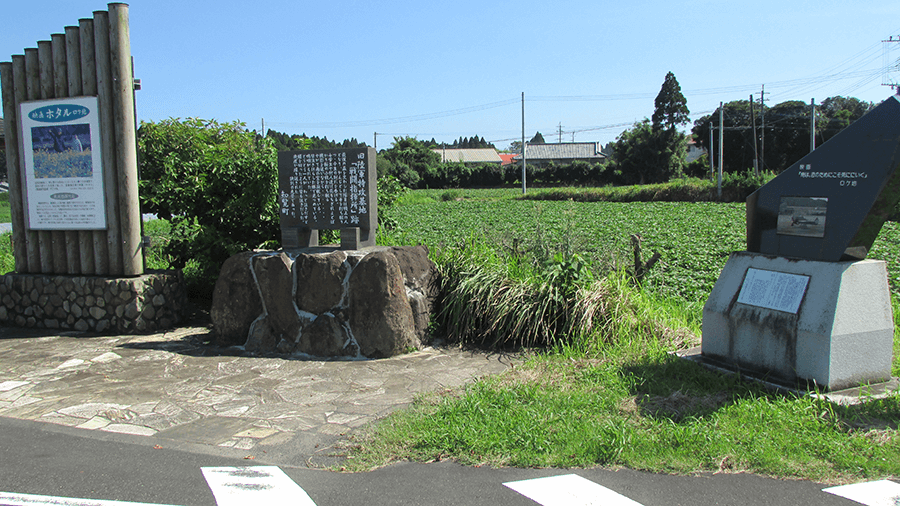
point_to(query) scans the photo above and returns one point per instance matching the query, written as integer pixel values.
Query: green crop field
(694, 239)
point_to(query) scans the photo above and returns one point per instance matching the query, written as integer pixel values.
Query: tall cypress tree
(671, 106)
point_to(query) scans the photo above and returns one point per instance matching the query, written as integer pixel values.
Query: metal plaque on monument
(803, 305)
(331, 189)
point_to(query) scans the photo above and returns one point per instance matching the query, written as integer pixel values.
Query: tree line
(786, 136)
(287, 142)
(652, 151)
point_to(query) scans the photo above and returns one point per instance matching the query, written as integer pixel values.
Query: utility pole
(560, 132)
(523, 143)
(762, 142)
(712, 158)
(263, 127)
(721, 145)
(885, 56)
(375, 141)
(755, 152)
(812, 125)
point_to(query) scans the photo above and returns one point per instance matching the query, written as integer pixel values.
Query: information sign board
(63, 164)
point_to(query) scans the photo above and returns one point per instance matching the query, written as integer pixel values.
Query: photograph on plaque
(803, 216)
(63, 164)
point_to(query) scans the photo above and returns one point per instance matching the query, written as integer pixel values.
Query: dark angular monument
(832, 203)
(803, 305)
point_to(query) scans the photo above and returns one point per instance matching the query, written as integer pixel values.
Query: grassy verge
(628, 402)
(612, 394)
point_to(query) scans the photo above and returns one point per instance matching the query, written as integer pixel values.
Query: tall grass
(535, 298)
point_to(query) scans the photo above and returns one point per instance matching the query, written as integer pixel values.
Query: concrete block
(841, 335)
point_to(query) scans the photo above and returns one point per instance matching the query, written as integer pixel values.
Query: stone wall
(147, 303)
(369, 303)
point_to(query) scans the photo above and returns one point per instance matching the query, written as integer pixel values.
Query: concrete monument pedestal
(795, 321)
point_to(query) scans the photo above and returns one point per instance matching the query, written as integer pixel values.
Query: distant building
(479, 156)
(694, 151)
(508, 158)
(562, 153)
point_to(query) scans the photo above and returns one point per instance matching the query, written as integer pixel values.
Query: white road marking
(873, 493)
(9, 499)
(240, 486)
(569, 490)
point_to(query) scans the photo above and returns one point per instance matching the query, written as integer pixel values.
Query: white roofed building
(562, 153)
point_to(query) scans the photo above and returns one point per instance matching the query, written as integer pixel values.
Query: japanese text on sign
(325, 189)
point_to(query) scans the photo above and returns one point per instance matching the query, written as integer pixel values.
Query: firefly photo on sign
(62, 151)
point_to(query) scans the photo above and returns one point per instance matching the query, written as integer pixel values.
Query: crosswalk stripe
(873, 493)
(568, 490)
(239, 486)
(10, 499)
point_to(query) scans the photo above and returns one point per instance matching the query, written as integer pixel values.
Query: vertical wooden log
(45, 85)
(126, 141)
(11, 99)
(99, 246)
(112, 264)
(31, 80)
(65, 242)
(84, 239)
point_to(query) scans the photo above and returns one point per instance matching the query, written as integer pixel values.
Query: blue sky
(346, 69)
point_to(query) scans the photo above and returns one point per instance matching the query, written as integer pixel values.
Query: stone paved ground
(172, 386)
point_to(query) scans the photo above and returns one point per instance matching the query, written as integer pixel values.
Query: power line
(404, 119)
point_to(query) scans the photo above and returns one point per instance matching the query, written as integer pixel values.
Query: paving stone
(75, 362)
(6, 386)
(124, 428)
(97, 422)
(256, 433)
(61, 419)
(171, 386)
(90, 409)
(105, 358)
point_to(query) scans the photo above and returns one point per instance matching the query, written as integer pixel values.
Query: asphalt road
(52, 460)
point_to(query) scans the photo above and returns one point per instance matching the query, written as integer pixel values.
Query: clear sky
(446, 70)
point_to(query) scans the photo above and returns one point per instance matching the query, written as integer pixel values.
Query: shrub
(389, 192)
(216, 183)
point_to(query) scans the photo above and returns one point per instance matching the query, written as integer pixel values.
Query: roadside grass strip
(873, 493)
(240, 486)
(568, 490)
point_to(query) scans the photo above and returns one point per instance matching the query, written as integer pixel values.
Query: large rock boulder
(321, 280)
(380, 316)
(370, 303)
(236, 302)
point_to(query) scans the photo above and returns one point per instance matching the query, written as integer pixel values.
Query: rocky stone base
(369, 303)
(147, 303)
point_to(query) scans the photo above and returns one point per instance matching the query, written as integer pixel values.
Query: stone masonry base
(147, 303)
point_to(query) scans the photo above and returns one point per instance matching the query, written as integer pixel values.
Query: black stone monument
(831, 204)
(803, 306)
(327, 189)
